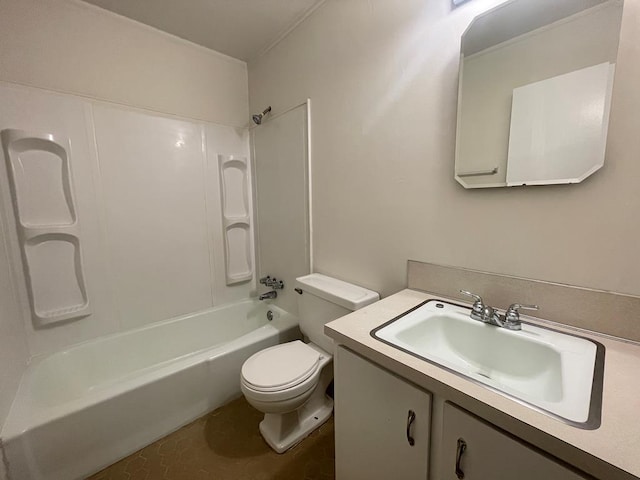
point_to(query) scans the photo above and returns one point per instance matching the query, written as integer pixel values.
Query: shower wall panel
(234, 193)
(61, 116)
(152, 177)
(231, 143)
(49, 233)
(148, 210)
(281, 159)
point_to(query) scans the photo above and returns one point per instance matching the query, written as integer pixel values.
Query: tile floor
(226, 445)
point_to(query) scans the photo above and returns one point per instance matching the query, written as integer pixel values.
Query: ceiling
(239, 28)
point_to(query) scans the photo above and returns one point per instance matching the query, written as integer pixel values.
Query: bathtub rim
(25, 415)
(35, 359)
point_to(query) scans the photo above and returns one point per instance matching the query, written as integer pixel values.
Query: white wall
(73, 47)
(382, 77)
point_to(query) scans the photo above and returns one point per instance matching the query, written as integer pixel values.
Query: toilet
(288, 382)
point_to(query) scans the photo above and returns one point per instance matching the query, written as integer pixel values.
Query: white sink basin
(554, 372)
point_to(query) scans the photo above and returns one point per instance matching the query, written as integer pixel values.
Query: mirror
(534, 94)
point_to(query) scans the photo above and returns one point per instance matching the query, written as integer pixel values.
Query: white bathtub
(81, 409)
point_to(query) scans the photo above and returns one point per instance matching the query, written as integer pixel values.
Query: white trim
(149, 28)
(255, 212)
(309, 186)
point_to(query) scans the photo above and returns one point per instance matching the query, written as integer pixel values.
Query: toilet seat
(282, 372)
(280, 367)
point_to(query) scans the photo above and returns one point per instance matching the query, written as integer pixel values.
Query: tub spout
(268, 295)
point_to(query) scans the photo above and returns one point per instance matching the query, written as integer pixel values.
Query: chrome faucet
(484, 313)
(512, 315)
(274, 284)
(268, 295)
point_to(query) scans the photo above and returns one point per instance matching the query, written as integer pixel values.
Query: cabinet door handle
(462, 446)
(410, 418)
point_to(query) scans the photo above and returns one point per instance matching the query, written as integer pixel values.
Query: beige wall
(382, 77)
(72, 47)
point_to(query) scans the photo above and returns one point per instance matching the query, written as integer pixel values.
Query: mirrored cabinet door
(535, 91)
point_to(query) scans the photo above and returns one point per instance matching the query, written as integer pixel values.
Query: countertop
(610, 452)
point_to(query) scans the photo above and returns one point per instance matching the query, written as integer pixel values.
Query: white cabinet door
(475, 450)
(382, 423)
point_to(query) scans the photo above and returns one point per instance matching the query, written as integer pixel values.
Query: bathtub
(79, 410)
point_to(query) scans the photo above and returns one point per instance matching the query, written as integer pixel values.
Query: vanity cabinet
(475, 450)
(383, 428)
(382, 423)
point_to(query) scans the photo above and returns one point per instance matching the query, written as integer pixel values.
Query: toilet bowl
(288, 382)
(280, 379)
(280, 390)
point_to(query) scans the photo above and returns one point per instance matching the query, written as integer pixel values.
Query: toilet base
(285, 430)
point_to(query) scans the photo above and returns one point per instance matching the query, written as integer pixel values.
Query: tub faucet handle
(272, 282)
(276, 284)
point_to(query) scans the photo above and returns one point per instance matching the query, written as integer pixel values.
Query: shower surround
(151, 200)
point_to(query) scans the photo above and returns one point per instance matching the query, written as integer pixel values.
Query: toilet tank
(324, 299)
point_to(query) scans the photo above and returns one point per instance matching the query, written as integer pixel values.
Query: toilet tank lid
(345, 294)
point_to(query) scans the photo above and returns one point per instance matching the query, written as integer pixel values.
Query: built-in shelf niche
(44, 208)
(234, 192)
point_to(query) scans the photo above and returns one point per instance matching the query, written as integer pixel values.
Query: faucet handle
(477, 298)
(477, 310)
(517, 306)
(265, 280)
(512, 315)
(276, 284)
